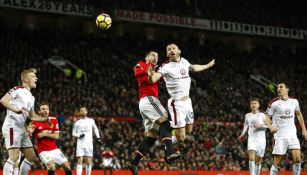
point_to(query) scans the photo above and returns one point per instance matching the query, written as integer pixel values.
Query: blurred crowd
(219, 95)
(280, 13)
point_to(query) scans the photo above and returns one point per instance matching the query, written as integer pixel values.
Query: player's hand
(150, 70)
(273, 130)
(304, 133)
(257, 125)
(211, 63)
(99, 141)
(30, 129)
(81, 136)
(240, 137)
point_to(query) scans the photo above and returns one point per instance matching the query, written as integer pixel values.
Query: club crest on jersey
(183, 71)
(287, 111)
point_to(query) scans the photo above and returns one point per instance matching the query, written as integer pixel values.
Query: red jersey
(145, 88)
(45, 144)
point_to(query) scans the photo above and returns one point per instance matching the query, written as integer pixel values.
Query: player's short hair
(171, 44)
(254, 99)
(149, 52)
(83, 107)
(283, 82)
(25, 72)
(43, 103)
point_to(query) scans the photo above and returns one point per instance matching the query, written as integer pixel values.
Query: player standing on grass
(83, 130)
(45, 136)
(283, 110)
(20, 105)
(175, 72)
(153, 113)
(255, 123)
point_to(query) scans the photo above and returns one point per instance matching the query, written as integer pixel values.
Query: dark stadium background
(28, 37)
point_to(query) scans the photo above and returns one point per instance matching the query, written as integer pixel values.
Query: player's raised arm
(5, 101)
(199, 68)
(300, 119)
(152, 75)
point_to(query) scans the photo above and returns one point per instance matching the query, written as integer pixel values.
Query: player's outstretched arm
(152, 75)
(5, 101)
(300, 119)
(199, 68)
(34, 117)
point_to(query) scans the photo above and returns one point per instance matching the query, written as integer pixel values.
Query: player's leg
(259, 155)
(60, 159)
(12, 144)
(8, 167)
(251, 162)
(279, 150)
(295, 147)
(258, 161)
(50, 167)
(79, 162)
(296, 156)
(88, 164)
(46, 158)
(28, 160)
(16, 165)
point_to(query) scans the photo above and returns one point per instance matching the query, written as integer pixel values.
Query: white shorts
(84, 152)
(55, 155)
(151, 109)
(282, 145)
(257, 146)
(16, 137)
(181, 112)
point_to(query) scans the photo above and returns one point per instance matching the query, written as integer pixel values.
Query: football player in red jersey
(153, 113)
(45, 135)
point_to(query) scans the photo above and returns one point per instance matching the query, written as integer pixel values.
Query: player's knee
(297, 160)
(66, 167)
(180, 138)
(50, 166)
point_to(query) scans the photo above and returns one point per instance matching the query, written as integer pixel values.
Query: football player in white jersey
(19, 103)
(255, 123)
(83, 130)
(176, 76)
(283, 111)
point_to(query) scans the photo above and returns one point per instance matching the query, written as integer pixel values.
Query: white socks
(252, 167)
(273, 170)
(79, 169)
(296, 168)
(8, 167)
(258, 169)
(88, 169)
(25, 167)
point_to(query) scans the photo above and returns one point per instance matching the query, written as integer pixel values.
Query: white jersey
(255, 118)
(85, 126)
(21, 98)
(283, 114)
(177, 78)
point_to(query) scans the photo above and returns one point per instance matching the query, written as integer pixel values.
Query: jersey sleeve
(297, 106)
(187, 62)
(13, 92)
(270, 110)
(55, 125)
(139, 70)
(162, 69)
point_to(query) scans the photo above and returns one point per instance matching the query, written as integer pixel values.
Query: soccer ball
(103, 21)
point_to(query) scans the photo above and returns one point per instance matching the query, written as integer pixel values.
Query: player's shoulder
(51, 118)
(272, 101)
(165, 63)
(16, 88)
(293, 99)
(140, 64)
